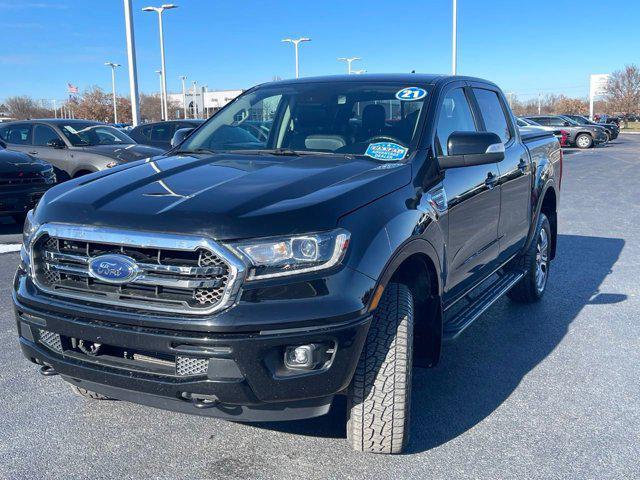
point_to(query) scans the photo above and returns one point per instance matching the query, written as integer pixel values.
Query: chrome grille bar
(186, 274)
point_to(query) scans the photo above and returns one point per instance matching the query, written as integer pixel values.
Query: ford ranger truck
(259, 279)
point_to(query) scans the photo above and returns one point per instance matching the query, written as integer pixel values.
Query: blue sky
(524, 46)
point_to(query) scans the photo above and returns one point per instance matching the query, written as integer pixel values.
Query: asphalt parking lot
(550, 390)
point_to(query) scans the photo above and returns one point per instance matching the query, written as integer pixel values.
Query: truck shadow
(478, 372)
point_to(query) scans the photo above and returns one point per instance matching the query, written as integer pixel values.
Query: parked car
(23, 180)
(159, 134)
(611, 128)
(74, 147)
(560, 134)
(605, 119)
(581, 136)
(256, 283)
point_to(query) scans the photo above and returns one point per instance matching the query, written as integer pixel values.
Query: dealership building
(203, 103)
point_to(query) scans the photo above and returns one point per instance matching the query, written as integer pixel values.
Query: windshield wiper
(196, 150)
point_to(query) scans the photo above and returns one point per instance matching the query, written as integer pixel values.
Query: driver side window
(455, 116)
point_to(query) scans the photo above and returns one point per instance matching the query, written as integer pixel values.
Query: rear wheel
(380, 392)
(584, 140)
(535, 261)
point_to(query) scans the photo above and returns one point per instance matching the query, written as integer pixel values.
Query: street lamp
(184, 94)
(349, 61)
(296, 42)
(454, 39)
(162, 117)
(159, 10)
(113, 88)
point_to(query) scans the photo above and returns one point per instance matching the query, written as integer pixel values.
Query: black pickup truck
(256, 280)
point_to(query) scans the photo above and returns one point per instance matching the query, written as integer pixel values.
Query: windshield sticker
(410, 94)
(389, 152)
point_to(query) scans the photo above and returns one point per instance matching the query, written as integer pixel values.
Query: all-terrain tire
(529, 289)
(83, 392)
(380, 392)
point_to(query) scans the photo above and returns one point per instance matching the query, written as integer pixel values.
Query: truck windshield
(379, 120)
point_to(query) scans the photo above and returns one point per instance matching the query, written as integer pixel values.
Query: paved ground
(550, 390)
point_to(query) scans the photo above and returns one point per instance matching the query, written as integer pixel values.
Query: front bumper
(19, 201)
(245, 378)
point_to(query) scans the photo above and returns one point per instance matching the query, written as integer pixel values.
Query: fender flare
(549, 185)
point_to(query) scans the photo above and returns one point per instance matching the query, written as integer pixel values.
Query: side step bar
(458, 322)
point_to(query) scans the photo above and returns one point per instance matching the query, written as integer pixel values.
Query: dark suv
(159, 134)
(258, 280)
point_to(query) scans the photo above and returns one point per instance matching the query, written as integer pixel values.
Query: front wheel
(380, 391)
(584, 140)
(535, 262)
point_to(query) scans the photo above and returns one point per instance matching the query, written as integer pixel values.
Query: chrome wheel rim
(583, 141)
(542, 260)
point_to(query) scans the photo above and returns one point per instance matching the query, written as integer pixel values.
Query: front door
(58, 157)
(473, 201)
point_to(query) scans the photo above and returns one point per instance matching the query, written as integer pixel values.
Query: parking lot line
(10, 248)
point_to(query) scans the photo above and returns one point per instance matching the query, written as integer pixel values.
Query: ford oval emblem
(113, 268)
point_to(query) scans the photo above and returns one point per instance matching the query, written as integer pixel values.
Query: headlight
(280, 256)
(29, 229)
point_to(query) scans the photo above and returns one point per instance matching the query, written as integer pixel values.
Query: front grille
(184, 274)
(188, 366)
(21, 178)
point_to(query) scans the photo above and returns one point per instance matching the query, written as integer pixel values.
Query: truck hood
(13, 163)
(124, 153)
(224, 196)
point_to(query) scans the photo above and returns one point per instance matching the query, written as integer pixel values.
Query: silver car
(74, 147)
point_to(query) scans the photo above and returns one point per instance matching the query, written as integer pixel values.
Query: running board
(464, 317)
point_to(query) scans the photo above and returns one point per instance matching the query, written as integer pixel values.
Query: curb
(629, 133)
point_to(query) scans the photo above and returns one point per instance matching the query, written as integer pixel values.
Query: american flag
(71, 88)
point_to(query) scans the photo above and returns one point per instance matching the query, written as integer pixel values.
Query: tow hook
(200, 400)
(47, 371)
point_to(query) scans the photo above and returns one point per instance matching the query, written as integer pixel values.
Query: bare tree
(23, 107)
(623, 90)
(95, 104)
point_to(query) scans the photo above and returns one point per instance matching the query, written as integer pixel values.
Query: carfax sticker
(386, 151)
(409, 94)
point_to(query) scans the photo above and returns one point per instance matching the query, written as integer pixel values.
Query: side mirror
(472, 148)
(180, 135)
(566, 124)
(56, 143)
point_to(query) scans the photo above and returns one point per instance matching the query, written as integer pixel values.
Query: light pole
(296, 42)
(113, 88)
(195, 100)
(162, 117)
(454, 40)
(184, 94)
(131, 57)
(349, 61)
(159, 10)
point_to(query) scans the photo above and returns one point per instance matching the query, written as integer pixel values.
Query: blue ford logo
(113, 268)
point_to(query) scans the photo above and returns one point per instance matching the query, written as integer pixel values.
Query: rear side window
(162, 132)
(43, 134)
(493, 113)
(455, 116)
(541, 121)
(19, 134)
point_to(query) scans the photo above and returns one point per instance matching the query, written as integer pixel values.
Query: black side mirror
(472, 148)
(180, 135)
(56, 143)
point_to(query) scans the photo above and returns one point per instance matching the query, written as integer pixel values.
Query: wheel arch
(547, 204)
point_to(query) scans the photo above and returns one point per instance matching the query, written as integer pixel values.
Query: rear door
(515, 171)
(473, 199)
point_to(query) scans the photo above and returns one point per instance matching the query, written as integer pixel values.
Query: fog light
(302, 356)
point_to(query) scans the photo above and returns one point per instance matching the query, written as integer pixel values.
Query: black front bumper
(21, 200)
(245, 376)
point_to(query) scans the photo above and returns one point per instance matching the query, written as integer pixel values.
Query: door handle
(491, 180)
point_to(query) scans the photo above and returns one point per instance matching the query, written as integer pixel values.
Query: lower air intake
(189, 366)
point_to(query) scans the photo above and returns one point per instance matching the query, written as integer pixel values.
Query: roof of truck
(408, 78)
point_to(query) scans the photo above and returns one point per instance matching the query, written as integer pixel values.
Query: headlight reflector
(280, 256)
(29, 229)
